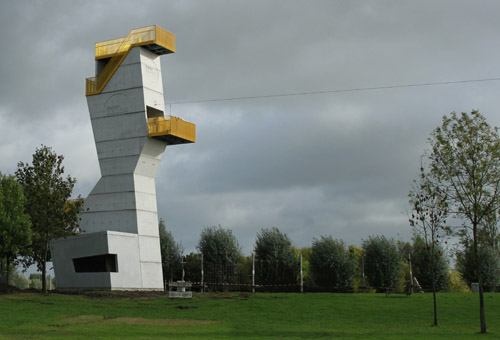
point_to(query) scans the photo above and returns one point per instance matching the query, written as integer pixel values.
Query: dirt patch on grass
(95, 319)
(187, 307)
(116, 294)
(242, 296)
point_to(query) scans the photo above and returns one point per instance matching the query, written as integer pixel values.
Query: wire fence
(250, 274)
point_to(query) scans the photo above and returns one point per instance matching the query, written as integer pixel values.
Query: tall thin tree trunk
(7, 270)
(433, 277)
(44, 270)
(482, 314)
(435, 303)
(44, 274)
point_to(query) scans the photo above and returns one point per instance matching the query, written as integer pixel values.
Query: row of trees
(33, 281)
(34, 209)
(328, 265)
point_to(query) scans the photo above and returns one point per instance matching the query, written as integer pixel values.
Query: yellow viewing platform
(172, 130)
(153, 38)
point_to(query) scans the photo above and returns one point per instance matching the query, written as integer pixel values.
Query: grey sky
(339, 164)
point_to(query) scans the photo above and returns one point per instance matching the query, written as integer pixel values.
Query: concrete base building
(119, 245)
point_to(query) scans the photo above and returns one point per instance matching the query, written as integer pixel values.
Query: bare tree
(429, 210)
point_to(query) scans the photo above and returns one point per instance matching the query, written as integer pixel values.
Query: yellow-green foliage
(456, 284)
(357, 280)
(306, 253)
(405, 276)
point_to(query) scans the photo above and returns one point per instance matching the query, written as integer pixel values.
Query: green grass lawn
(246, 316)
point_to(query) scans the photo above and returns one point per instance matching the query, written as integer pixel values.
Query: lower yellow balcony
(172, 130)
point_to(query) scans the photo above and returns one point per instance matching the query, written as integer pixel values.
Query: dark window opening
(96, 264)
(152, 112)
(100, 65)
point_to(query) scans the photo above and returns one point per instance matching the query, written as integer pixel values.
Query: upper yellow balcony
(172, 130)
(111, 53)
(153, 38)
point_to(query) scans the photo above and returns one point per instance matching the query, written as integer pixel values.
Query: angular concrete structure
(119, 245)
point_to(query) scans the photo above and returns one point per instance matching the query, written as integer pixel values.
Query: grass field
(245, 316)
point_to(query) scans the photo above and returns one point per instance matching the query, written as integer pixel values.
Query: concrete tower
(119, 247)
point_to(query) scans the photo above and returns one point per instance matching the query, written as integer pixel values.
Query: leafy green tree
(219, 245)
(382, 262)
(171, 254)
(47, 194)
(331, 264)
(490, 265)
(15, 224)
(192, 267)
(429, 210)
(221, 255)
(427, 270)
(276, 258)
(465, 166)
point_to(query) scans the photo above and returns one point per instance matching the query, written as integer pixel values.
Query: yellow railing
(117, 49)
(95, 85)
(173, 126)
(139, 36)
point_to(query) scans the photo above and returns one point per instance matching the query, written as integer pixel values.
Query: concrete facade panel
(148, 225)
(120, 127)
(152, 275)
(64, 250)
(154, 148)
(145, 184)
(147, 166)
(155, 100)
(119, 220)
(129, 275)
(151, 73)
(145, 202)
(111, 201)
(120, 148)
(133, 56)
(116, 183)
(118, 166)
(125, 77)
(150, 249)
(116, 103)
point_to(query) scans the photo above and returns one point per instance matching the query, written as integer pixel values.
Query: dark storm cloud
(337, 164)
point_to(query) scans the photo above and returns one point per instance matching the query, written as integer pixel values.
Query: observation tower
(119, 247)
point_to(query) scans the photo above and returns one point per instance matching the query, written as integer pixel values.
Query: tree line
(380, 264)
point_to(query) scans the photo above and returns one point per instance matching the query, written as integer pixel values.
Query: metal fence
(249, 274)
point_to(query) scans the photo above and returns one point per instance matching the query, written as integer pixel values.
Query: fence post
(363, 272)
(202, 273)
(253, 272)
(301, 275)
